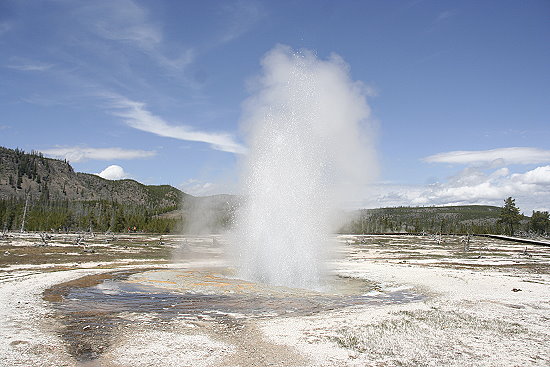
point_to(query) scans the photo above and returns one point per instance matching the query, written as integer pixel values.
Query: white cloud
(113, 172)
(475, 185)
(137, 116)
(540, 176)
(30, 66)
(514, 155)
(198, 187)
(242, 16)
(470, 186)
(186, 58)
(77, 154)
(127, 22)
(444, 15)
(122, 20)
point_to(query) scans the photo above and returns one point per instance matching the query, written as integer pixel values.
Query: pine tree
(509, 215)
(540, 222)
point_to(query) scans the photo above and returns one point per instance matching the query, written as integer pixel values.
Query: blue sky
(459, 91)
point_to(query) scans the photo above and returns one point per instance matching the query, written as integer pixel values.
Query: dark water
(92, 316)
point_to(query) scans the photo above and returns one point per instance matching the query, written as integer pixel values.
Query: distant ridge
(31, 174)
(58, 198)
(435, 219)
(76, 201)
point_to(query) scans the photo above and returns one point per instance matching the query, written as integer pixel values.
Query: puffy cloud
(470, 186)
(137, 116)
(113, 172)
(78, 154)
(475, 185)
(514, 155)
(540, 175)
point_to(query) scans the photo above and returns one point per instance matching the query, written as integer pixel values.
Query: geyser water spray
(307, 155)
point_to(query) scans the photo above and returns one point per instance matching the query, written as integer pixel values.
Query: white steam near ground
(308, 153)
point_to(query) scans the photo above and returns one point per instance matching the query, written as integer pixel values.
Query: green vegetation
(98, 216)
(539, 222)
(510, 216)
(474, 219)
(58, 199)
(44, 194)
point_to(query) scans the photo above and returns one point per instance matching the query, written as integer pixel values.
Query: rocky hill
(46, 179)
(39, 193)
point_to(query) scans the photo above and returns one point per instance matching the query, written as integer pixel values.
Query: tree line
(510, 217)
(93, 216)
(104, 216)
(506, 220)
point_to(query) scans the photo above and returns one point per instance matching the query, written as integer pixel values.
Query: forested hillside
(445, 219)
(48, 195)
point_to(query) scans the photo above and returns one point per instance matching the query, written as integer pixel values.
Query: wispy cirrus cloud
(242, 16)
(444, 15)
(513, 155)
(136, 115)
(127, 22)
(23, 65)
(78, 154)
(5, 27)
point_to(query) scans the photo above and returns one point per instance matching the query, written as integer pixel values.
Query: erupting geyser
(307, 155)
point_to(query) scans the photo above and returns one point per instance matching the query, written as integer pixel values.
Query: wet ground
(91, 314)
(135, 284)
(70, 251)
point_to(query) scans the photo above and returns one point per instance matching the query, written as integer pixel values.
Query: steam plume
(308, 154)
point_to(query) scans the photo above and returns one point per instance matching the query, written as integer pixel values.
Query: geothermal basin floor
(138, 300)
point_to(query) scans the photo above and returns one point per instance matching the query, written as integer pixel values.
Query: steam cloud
(308, 154)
